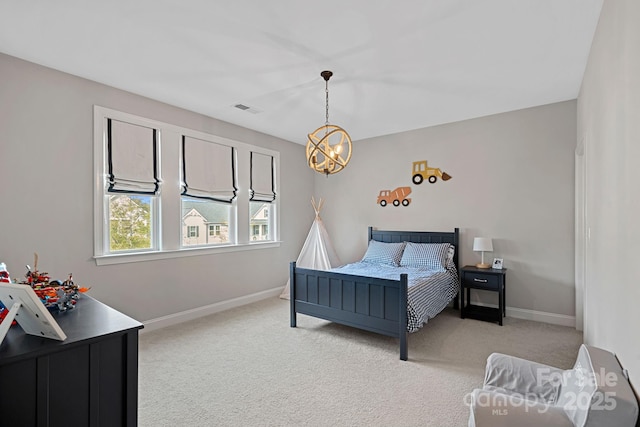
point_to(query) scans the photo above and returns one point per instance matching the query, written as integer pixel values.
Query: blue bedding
(429, 291)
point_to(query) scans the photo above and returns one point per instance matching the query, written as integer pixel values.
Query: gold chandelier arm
(313, 137)
(340, 160)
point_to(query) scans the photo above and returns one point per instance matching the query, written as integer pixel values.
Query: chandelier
(329, 146)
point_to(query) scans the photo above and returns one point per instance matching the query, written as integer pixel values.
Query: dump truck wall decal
(422, 171)
(396, 197)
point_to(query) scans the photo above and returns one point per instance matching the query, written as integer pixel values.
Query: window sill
(154, 256)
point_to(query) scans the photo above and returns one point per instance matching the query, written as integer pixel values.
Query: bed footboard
(369, 303)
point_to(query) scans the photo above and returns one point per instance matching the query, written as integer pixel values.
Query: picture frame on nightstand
(497, 264)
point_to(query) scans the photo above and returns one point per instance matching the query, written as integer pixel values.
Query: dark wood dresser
(90, 379)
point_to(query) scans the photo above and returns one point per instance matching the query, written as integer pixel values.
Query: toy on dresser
(56, 295)
(4, 278)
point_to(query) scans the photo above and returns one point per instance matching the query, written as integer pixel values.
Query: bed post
(456, 241)
(292, 292)
(370, 234)
(403, 317)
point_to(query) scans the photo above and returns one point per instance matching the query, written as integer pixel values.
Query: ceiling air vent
(248, 108)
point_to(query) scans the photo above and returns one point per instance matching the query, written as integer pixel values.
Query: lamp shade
(482, 244)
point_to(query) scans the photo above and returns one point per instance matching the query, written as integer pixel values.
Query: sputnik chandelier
(329, 146)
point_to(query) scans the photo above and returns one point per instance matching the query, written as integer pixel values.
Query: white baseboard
(184, 316)
(535, 315)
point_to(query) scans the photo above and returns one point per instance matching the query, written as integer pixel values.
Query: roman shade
(262, 180)
(132, 157)
(208, 170)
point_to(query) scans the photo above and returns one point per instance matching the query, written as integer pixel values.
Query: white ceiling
(398, 65)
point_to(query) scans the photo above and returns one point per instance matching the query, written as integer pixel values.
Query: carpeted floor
(247, 367)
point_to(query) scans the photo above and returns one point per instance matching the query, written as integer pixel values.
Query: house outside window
(259, 220)
(209, 215)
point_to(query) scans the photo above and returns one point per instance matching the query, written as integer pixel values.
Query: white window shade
(208, 170)
(132, 152)
(262, 181)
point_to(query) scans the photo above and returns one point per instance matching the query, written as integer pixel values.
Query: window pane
(208, 170)
(204, 222)
(259, 220)
(262, 187)
(214, 230)
(129, 222)
(132, 151)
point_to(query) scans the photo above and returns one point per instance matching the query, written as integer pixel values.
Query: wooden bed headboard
(394, 236)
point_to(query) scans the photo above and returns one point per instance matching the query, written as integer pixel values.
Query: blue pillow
(384, 253)
(433, 256)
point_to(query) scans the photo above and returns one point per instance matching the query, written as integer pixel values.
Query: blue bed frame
(372, 304)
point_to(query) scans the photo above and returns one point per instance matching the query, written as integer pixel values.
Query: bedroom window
(132, 186)
(208, 187)
(262, 195)
(164, 191)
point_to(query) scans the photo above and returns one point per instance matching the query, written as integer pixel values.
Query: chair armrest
(491, 409)
(513, 375)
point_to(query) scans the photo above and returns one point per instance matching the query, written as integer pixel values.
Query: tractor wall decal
(422, 171)
(419, 173)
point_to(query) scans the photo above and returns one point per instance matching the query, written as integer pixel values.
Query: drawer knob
(479, 280)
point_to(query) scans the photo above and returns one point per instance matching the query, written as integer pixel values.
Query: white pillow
(384, 253)
(433, 256)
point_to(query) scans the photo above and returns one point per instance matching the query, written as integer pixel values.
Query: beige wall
(512, 180)
(609, 125)
(46, 202)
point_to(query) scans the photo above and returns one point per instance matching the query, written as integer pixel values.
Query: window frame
(167, 212)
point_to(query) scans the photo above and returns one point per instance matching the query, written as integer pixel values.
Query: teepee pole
(317, 207)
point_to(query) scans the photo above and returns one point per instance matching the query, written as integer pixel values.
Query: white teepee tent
(317, 251)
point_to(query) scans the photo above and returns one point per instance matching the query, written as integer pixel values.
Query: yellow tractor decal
(422, 171)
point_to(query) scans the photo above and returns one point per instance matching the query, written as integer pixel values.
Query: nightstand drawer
(481, 281)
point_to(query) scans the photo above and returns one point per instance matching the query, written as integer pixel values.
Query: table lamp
(482, 244)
